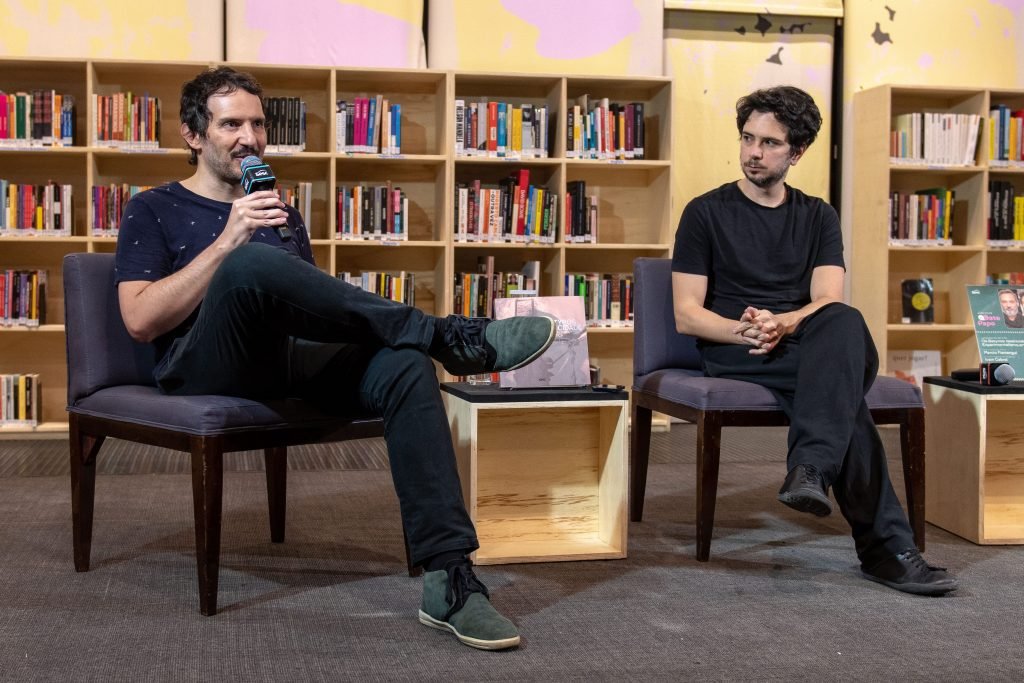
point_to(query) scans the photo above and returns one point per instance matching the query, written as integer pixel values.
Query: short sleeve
(142, 252)
(830, 249)
(692, 252)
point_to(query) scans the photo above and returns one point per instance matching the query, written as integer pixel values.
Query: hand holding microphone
(256, 176)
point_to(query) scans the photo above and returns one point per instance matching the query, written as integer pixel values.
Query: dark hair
(1006, 291)
(792, 107)
(195, 94)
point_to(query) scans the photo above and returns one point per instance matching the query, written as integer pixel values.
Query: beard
(765, 179)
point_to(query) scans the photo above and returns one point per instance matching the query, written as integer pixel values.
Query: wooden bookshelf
(878, 267)
(636, 216)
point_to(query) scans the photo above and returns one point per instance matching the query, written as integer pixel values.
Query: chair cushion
(199, 415)
(691, 388)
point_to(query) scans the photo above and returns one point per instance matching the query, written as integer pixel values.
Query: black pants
(820, 375)
(273, 326)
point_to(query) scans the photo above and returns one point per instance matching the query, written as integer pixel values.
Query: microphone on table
(996, 374)
(256, 176)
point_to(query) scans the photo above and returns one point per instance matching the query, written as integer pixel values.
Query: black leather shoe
(804, 490)
(908, 572)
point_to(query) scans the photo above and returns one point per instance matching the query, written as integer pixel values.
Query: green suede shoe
(472, 346)
(455, 600)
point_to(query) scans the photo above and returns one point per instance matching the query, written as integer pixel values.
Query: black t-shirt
(755, 255)
(164, 228)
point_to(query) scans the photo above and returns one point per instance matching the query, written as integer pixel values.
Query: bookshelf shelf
(635, 213)
(878, 267)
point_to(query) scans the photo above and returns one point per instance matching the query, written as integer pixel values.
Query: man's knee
(840, 315)
(249, 263)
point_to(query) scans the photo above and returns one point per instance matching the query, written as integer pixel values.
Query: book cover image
(998, 325)
(918, 301)
(914, 365)
(567, 362)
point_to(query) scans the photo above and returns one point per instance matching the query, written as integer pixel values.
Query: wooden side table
(974, 460)
(544, 472)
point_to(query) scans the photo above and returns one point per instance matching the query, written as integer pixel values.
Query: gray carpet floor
(781, 598)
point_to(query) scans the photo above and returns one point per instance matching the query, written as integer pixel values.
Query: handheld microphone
(996, 374)
(256, 176)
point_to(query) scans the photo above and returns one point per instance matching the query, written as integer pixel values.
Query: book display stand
(635, 195)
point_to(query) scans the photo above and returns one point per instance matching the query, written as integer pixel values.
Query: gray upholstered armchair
(667, 378)
(111, 392)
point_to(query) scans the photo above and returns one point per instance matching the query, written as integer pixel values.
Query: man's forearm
(698, 321)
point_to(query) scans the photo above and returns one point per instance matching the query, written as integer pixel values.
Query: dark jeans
(274, 326)
(820, 375)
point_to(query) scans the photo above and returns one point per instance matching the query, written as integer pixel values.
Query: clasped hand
(760, 329)
(263, 209)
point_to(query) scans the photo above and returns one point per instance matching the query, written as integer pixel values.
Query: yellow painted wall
(716, 58)
(118, 29)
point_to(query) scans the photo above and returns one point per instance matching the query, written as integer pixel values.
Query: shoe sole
(801, 503)
(502, 644)
(933, 589)
(544, 347)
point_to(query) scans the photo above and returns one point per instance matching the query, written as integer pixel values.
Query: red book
(522, 187)
(492, 126)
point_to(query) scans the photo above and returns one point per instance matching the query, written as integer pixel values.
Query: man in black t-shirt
(758, 277)
(234, 308)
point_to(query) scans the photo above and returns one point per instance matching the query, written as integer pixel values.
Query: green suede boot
(470, 346)
(455, 600)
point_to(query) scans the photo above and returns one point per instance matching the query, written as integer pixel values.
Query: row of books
(368, 125)
(607, 297)
(580, 213)
(491, 128)
(35, 209)
(286, 124)
(108, 202)
(126, 120)
(40, 118)
(23, 297)
(300, 197)
(934, 138)
(1005, 140)
(400, 287)
(922, 216)
(20, 404)
(1010, 278)
(599, 129)
(476, 291)
(372, 212)
(514, 211)
(1006, 211)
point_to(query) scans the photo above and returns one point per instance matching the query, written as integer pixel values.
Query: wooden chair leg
(912, 447)
(207, 493)
(709, 445)
(276, 465)
(640, 452)
(84, 448)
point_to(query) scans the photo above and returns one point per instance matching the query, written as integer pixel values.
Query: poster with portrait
(998, 315)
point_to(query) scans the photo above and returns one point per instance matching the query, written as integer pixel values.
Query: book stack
(607, 297)
(934, 138)
(286, 125)
(23, 298)
(126, 121)
(372, 212)
(1005, 136)
(922, 217)
(1005, 213)
(599, 129)
(400, 287)
(512, 211)
(491, 128)
(35, 209)
(580, 213)
(299, 197)
(19, 400)
(108, 202)
(368, 125)
(1015, 278)
(475, 292)
(41, 118)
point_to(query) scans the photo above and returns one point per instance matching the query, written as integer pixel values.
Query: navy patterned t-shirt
(164, 228)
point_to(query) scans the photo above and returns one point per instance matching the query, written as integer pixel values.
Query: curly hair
(792, 107)
(195, 94)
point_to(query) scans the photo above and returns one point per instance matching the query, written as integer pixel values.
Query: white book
(914, 365)
(460, 126)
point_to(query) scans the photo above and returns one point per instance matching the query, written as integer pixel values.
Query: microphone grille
(250, 161)
(1003, 374)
